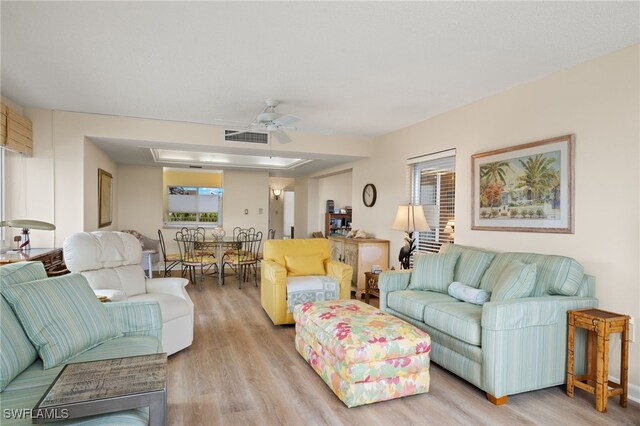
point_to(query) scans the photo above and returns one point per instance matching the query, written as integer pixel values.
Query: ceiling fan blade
(317, 130)
(281, 136)
(285, 120)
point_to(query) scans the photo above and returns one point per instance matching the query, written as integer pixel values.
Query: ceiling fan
(275, 123)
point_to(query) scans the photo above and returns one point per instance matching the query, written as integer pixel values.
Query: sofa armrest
(174, 286)
(150, 243)
(390, 281)
(274, 273)
(524, 343)
(136, 318)
(342, 273)
(529, 311)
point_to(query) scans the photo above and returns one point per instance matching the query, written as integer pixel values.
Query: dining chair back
(191, 255)
(171, 260)
(245, 256)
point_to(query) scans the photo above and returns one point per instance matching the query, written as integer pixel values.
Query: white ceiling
(359, 68)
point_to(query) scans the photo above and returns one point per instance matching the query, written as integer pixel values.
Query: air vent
(195, 167)
(251, 137)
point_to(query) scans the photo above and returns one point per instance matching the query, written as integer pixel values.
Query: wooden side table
(599, 324)
(371, 286)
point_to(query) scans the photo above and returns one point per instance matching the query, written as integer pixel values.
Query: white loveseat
(111, 263)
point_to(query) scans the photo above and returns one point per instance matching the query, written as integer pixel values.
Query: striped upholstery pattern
(555, 274)
(413, 303)
(433, 271)
(470, 265)
(21, 272)
(522, 342)
(459, 320)
(17, 351)
(61, 316)
(515, 281)
(136, 318)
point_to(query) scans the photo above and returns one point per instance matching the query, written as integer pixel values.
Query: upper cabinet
(16, 132)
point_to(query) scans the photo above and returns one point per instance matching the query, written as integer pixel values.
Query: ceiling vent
(251, 137)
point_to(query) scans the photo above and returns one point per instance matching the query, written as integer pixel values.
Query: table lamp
(409, 218)
(26, 225)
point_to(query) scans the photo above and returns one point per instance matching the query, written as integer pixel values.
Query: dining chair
(271, 234)
(244, 256)
(191, 256)
(171, 260)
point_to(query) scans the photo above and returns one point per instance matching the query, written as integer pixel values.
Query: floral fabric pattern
(362, 353)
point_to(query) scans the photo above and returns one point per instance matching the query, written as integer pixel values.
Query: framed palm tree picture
(525, 188)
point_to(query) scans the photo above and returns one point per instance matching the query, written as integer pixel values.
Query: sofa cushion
(469, 294)
(433, 271)
(35, 375)
(555, 274)
(21, 272)
(412, 302)
(515, 281)
(61, 316)
(17, 351)
(471, 264)
(457, 319)
(304, 265)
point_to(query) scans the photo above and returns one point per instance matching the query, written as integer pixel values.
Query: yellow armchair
(273, 291)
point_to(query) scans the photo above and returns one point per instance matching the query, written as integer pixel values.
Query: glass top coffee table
(98, 387)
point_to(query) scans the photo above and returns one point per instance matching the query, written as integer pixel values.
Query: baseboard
(633, 391)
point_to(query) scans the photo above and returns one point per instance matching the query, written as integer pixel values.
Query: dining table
(217, 247)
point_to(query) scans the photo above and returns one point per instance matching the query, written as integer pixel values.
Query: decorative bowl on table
(218, 233)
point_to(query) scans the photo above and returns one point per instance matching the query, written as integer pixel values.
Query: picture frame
(525, 188)
(105, 198)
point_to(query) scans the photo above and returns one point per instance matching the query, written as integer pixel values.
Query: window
(189, 205)
(433, 184)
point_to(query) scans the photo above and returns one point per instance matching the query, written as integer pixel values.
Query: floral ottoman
(362, 353)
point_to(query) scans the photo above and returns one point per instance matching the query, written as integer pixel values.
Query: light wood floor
(243, 370)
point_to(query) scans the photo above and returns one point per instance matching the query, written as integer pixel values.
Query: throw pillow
(17, 351)
(62, 316)
(516, 280)
(469, 294)
(304, 265)
(21, 272)
(433, 271)
(471, 265)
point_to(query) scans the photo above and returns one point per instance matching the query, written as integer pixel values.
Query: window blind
(432, 183)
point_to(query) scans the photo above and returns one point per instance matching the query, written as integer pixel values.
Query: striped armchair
(507, 345)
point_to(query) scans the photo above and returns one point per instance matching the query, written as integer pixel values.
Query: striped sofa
(26, 371)
(503, 347)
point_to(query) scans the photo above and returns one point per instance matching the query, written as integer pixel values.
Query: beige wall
(140, 194)
(246, 191)
(599, 102)
(94, 159)
(65, 133)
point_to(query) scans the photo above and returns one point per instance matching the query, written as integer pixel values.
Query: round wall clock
(369, 195)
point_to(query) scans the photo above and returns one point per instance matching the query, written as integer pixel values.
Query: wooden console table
(599, 324)
(51, 258)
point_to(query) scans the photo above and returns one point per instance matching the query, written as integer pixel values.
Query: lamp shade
(28, 224)
(410, 218)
